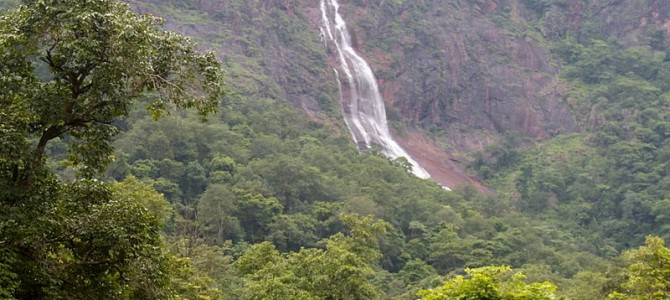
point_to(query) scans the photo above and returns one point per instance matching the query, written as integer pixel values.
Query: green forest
(133, 165)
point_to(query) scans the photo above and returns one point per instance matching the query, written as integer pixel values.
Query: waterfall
(362, 104)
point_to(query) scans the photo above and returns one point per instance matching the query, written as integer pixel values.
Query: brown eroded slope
(443, 167)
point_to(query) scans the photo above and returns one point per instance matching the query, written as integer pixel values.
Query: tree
(216, 215)
(648, 273)
(448, 250)
(490, 283)
(98, 58)
(340, 270)
(69, 69)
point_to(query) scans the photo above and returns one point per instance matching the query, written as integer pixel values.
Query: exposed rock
(443, 167)
(453, 67)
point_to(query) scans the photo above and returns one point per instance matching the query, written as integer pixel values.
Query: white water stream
(362, 104)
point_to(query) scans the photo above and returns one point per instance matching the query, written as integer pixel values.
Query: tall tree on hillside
(490, 283)
(68, 70)
(648, 273)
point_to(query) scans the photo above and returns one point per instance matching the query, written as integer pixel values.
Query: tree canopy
(70, 69)
(648, 272)
(490, 283)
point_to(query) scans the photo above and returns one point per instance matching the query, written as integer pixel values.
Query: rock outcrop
(460, 67)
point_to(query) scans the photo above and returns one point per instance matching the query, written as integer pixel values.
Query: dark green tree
(69, 69)
(342, 269)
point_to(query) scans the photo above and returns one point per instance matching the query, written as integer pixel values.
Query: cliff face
(458, 67)
(469, 71)
(478, 69)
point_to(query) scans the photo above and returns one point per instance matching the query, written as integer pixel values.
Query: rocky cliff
(466, 72)
(478, 69)
(472, 69)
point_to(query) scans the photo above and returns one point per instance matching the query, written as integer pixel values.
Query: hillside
(440, 79)
(478, 83)
(549, 120)
(448, 90)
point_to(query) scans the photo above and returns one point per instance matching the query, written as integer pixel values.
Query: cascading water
(362, 104)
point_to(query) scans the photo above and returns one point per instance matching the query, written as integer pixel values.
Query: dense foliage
(69, 70)
(490, 283)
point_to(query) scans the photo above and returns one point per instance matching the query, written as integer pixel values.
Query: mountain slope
(435, 62)
(568, 99)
